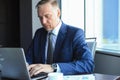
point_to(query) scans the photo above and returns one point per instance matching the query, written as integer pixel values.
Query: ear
(58, 12)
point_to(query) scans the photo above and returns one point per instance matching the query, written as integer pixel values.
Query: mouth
(47, 28)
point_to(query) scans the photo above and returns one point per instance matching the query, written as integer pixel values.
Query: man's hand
(35, 69)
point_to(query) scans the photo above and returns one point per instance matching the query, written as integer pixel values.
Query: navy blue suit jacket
(71, 51)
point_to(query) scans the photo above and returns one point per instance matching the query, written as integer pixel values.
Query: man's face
(49, 16)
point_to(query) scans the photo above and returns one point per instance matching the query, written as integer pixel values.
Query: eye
(48, 16)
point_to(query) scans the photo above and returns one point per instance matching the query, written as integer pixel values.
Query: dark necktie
(49, 49)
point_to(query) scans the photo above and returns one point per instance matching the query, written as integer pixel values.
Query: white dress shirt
(54, 38)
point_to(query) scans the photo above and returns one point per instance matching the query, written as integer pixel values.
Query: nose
(43, 20)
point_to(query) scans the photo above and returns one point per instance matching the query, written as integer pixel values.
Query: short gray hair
(52, 2)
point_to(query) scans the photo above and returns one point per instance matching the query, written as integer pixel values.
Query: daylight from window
(71, 14)
(98, 18)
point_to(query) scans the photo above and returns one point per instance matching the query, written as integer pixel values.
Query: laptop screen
(13, 64)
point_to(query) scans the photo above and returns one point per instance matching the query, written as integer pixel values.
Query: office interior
(18, 24)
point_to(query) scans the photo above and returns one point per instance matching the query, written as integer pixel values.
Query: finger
(35, 70)
(38, 71)
(31, 66)
(32, 72)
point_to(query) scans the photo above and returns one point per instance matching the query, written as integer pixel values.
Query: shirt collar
(56, 29)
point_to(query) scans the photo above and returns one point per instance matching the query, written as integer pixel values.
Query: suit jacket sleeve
(82, 57)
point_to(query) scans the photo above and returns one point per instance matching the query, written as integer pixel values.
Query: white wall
(35, 20)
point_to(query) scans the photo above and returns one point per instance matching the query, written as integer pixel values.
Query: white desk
(80, 77)
(95, 76)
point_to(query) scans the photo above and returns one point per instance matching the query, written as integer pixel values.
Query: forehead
(44, 9)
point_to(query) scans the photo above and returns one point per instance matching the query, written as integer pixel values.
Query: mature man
(69, 53)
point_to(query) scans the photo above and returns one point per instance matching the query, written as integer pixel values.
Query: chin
(48, 29)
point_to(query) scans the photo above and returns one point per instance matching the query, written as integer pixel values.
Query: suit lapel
(43, 43)
(60, 39)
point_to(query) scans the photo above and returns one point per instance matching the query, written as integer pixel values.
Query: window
(98, 18)
(107, 24)
(71, 14)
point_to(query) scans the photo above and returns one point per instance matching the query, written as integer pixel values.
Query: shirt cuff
(58, 68)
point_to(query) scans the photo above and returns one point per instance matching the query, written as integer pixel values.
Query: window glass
(73, 12)
(98, 18)
(107, 24)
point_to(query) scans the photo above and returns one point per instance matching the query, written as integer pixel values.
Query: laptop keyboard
(40, 75)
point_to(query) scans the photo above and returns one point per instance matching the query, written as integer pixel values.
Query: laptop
(13, 64)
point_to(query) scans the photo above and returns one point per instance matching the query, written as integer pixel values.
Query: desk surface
(97, 76)
(105, 77)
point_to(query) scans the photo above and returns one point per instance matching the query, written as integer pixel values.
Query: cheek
(52, 20)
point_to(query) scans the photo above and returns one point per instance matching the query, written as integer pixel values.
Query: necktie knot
(49, 33)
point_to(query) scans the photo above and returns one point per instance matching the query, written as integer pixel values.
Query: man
(71, 54)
